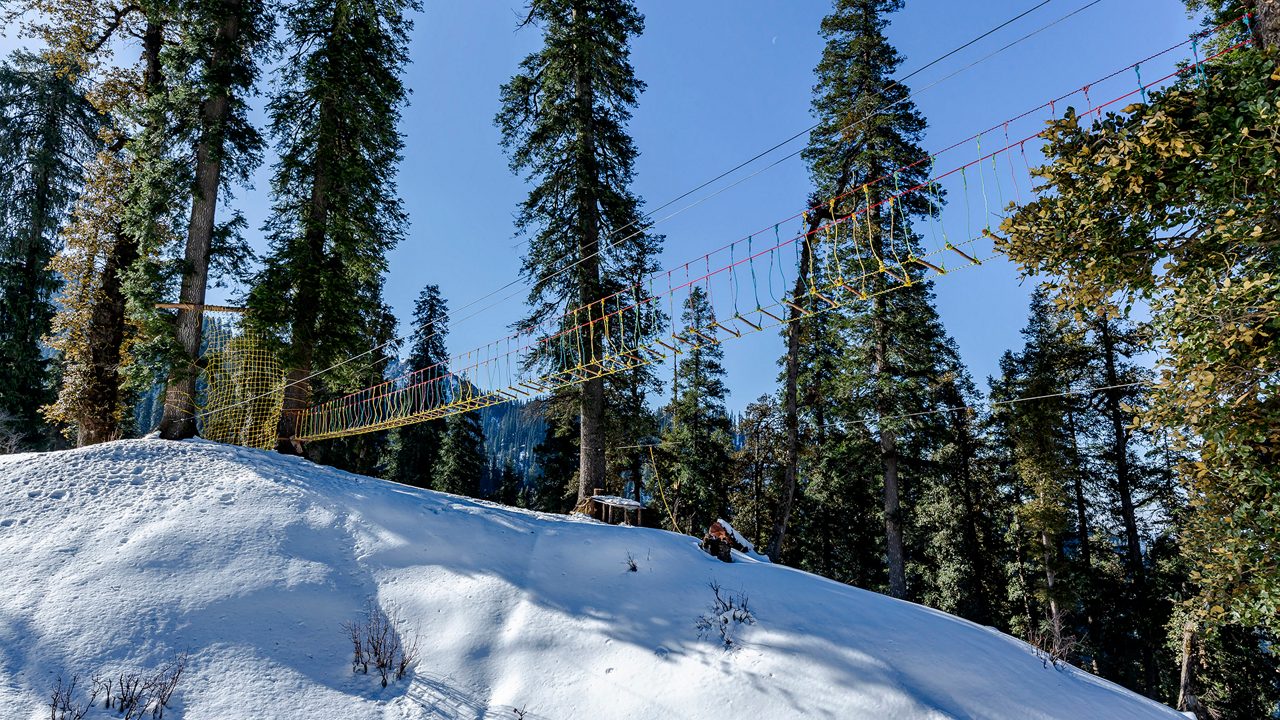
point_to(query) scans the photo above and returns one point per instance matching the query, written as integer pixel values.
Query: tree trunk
(1266, 21)
(179, 408)
(105, 337)
(1124, 489)
(1050, 580)
(302, 343)
(881, 376)
(106, 332)
(790, 409)
(591, 463)
(1187, 699)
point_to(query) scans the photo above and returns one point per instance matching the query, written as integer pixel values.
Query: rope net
(852, 248)
(241, 384)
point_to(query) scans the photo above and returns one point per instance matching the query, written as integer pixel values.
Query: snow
(120, 555)
(618, 501)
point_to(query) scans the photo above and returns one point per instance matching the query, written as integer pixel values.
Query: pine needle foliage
(698, 446)
(336, 212)
(48, 131)
(418, 446)
(563, 123)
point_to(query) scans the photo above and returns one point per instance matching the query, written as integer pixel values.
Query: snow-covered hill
(120, 555)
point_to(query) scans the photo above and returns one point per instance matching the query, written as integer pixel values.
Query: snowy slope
(122, 554)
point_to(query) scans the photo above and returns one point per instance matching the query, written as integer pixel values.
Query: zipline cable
(394, 340)
(684, 195)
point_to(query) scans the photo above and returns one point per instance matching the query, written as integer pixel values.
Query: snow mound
(122, 555)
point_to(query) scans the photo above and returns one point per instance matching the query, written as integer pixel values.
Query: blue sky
(727, 79)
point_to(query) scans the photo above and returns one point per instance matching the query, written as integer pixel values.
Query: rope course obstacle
(241, 377)
(864, 248)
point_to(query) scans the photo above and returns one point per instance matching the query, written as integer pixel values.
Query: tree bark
(894, 547)
(179, 408)
(790, 409)
(106, 334)
(1051, 581)
(1266, 21)
(1187, 699)
(1124, 489)
(591, 462)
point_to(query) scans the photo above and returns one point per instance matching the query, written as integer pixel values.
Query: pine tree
(336, 213)
(462, 458)
(868, 129)
(218, 57)
(960, 515)
(103, 347)
(697, 444)
(1039, 439)
(759, 467)
(510, 485)
(563, 123)
(555, 458)
(418, 445)
(48, 130)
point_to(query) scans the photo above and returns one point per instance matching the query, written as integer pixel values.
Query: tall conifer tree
(563, 123)
(697, 443)
(869, 129)
(418, 445)
(462, 456)
(218, 56)
(48, 130)
(336, 211)
(126, 216)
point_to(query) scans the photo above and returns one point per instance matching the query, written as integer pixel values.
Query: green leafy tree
(563, 122)
(48, 131)
(336, 212)
(1172, 203)
(698, 447)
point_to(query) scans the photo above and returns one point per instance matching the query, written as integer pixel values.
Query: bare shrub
(518, 712)
(374, 641)
(134, 695)
(631, 564)
(1052, 645)
(130, 694)
(11, 436)
(728, 611)
(63, 704)
(138, 694)
(102, 688)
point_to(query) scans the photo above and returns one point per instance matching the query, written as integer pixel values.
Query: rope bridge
(864, 248)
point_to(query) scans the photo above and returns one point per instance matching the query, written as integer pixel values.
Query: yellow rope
(662, 493)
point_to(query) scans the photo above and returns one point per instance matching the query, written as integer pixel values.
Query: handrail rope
(962, 170)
